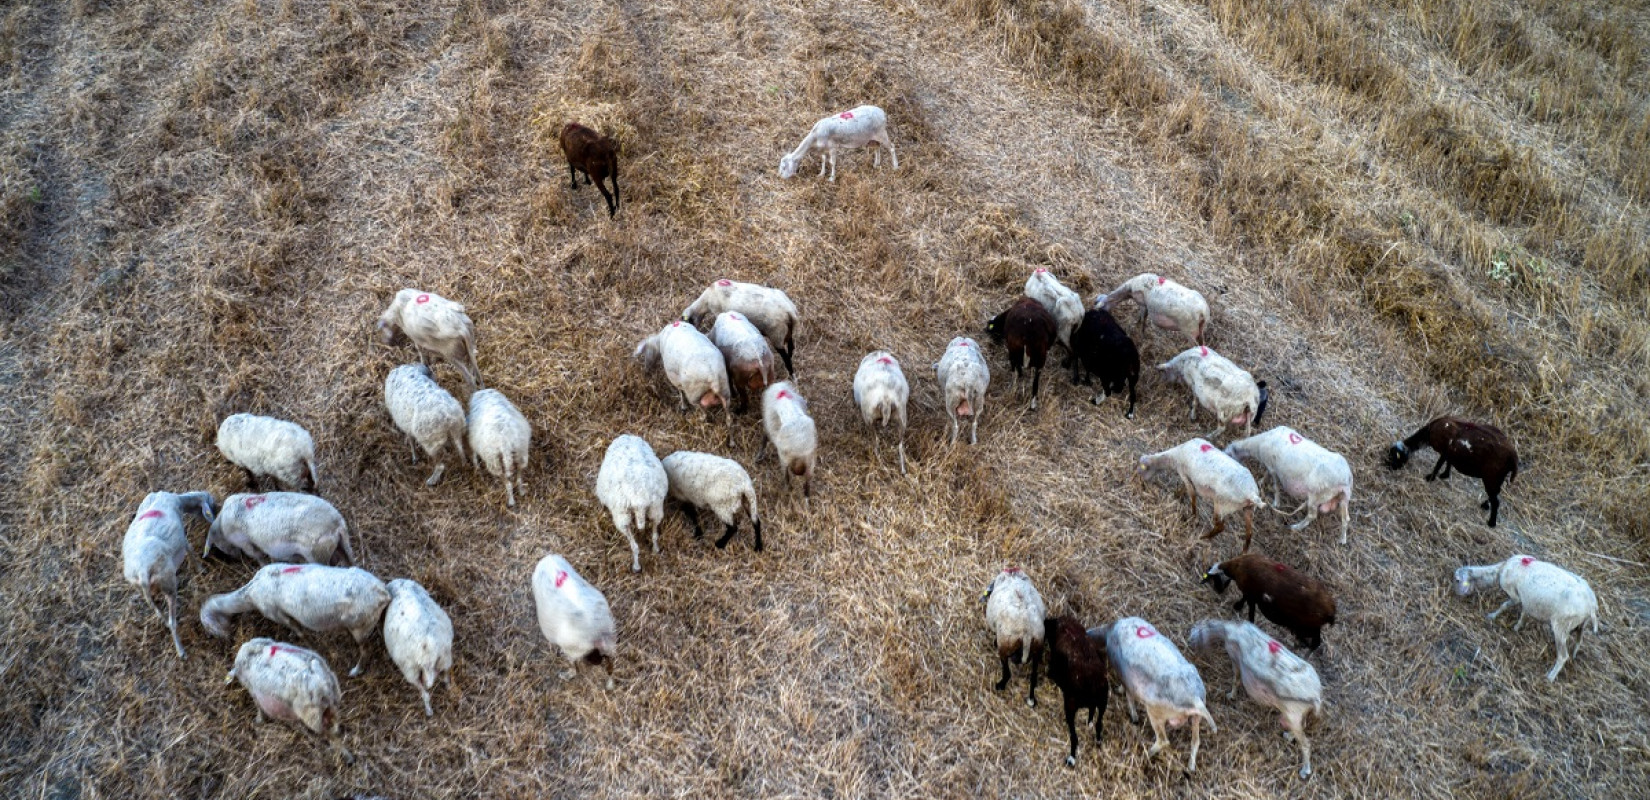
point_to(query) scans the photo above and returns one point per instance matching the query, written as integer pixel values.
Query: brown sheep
(1077, 664)
(1298, 603)
(1028, 329)
(595, 155)
(1477, 450)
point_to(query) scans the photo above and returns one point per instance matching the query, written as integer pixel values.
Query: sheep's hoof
(566, 674)
(1306, 772)
(1071, 761)
(610, 684)
(1031, 701)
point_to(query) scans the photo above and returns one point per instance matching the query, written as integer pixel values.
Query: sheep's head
(1260, 406)
(1207, 635)
(389, 333)
(1397, 456)
(1471, 579)
(787, 167)
(1217, 579)
(648, 352)
(996, 325)
(213, 619)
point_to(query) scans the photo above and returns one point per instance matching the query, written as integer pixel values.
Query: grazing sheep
(1297, 603)
(1015, 612)
(1304, 469)
(769, 309)
(419, 637)
(1205, 470)
(748, 355)
(1229, 392)
(291, 684)
(963, 377)
(269, 446)
(280, 526)
(500, 438)
(1065, 304)
(574, 616)
(1077, 664)
(1159, 677)
(701, 480)
(1167, 304)
(859, 127)
(792, 433)
(1029, 330)
(306, 597)
(429, 416)
(433, 324)
(881, 392)
(632, 484)
(1102, 349)
(1541, 590)
(1477, 450)
(595, 155)
(1271, 675)
(692, 364)
(156, 545)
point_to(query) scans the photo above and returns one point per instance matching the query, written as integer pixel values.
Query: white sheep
(1542, 590)
(792, 433)
(1016, 614)
(419, 637)
(701, 480)
(574, 616)
(500, 438)
(1156, 675)
(859, 127)
(632, 484)
(1226, 390)
(963, 377)
(1270, 673)
(693, 366)
(1206, 470)
(1065, 304)
(306, 597)
(1321, 478)
(291, 684)
(269, 446)
(882, 393)
(156, 545)
(769, 309)
(748, 355)
(280, 526)
(427, 414)
(434, 324)
(1167, 304)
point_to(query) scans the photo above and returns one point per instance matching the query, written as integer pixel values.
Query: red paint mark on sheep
(253, 501)
(153, 513)
(1161, 281)
(734, 317)
(422, 299)
(273, 649)
(1279, 567)
(782, 395)
(1011, 570)
(1041, 271)
(561, 578)
(885, 360)
(846, 115)
(1526, 561)
(1206, 448)
(1203, 351)
(676, 324)
(1144, 633)
(962, 344)
(724, 282)
(1273, 646)
(290, 570)
(1294, 438)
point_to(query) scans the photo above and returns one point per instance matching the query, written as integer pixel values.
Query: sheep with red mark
(865, 126)
(156, 545)
(1028, 330)
(1014, 610)
(1157, 676)
(1077, 664)
(433, 324)
(792, 433)
(574, 616)
(500, 439)
(1303, 469)
(769, 309)
(1541, 590)
(266, 446)
(747, 353)
(1271, 675)
(595, 155)
(426, 414)
(1065, 304)
(632, 484)
(291, 684)
(1226, 390)
(306, 597)
(1298, 603)
(1101, 348)
(882, 394)
(701, 480)
(1207, 471)
(963, 377)
(1477, 450)
(419, 637)
(1169, 305)
(280, 526)
(693, 366)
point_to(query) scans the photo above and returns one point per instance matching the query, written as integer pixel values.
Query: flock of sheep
(309, 580)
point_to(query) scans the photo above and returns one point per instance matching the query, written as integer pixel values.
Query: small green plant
(36, 196)
(1500, 269)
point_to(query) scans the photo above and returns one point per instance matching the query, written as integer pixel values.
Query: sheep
(268, 446)
(500, 438)
(1156, 675)
(748, 355)
(1477, 450)
(963, 377)
(280, 526)
(1065, 304)
(574, 616)
(1271, 675)
(769, 309)
(692, 364)
(595, 155)
(632, 484)
(306, 597)
(1229, 392)
(419, 637)
(1015, 612)
(1077, 664)
(1101, 348)
(882, 394)
(859, 127)
(701, 480)
(1206, 470)
(156, 544)
(1028, 330)
(433, 324)
(1297, 603)
(1303, 469)
(1167, 304)
(424, 412)
(291, 684)
(1541, 590)
(792, 433)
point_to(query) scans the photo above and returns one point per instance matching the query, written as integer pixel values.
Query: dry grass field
(1396, 208)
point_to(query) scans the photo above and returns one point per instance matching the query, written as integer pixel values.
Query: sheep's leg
(824, 158)
(655, 536)
(1295, 725)
(1519, 625)
(573, 176)
(1310, 517)
(727, 535)
(974, 428)
(635, 552)
(435, 477)
(893, 156)
(251, 480)
(1504, 607)
(1237, 680)
(1197, 725)
(1493, 503)
(1036, 664)
(1161, 738)
(1003, 683)
(1192, 414)
(412, 447)
(1561, 640)
(1071, 729)
(172, 620)
(429, 711)
(1248, 527)
(1220, 525)
(692, 513)
(954, 428)
(1036, 382)
(612, 208)
(1441, 463)
(360, 652)
(607, 664)
(832, 153)
(1346, 515)
(615, 177)
(1134, 716)
(902, 451)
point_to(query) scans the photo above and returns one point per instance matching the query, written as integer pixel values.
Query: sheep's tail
(344, 545)
(457, 438)
(149, 596)
(750, 502)
(1203, 711)
(1202, 322)
(314, 476)
(475, 366)
(1514, 474)
(1260, 406)
(1025, 650)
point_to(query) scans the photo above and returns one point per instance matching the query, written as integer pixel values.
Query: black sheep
(1477, 450)
(1101, 348)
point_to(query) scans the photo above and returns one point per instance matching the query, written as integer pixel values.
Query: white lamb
(269, 446)
(860, 127)
(769, 309)
(429, 416)
(156, 545)
(792, 433)
(1157, 676)
(1205, 470)
(692, 364)
(280, 526)
(632, 484)
(882, 393)
(1167, 304)
(434, 324)
(291, 684)
(1065, 304)
(419, 637)
(574, 616)
(1016, 614)
(701, 480)
(964, 378)
(1220, 386)
(500, 438)
(1304, 469)
(1270, 673)
(306, 597)
(1542, 590)
(748, 355)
